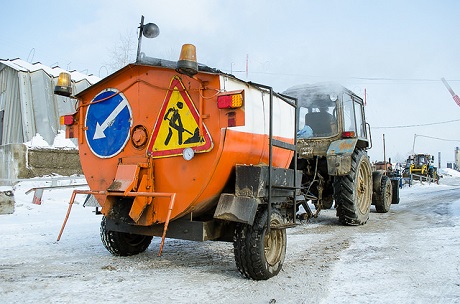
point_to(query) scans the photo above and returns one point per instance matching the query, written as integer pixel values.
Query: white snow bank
(60, 142)
(449, 172)
(37, 142)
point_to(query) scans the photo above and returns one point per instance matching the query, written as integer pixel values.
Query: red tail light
(231, 100)
(67, 120)
(348, 134)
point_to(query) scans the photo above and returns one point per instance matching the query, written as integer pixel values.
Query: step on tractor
(333, 139)
(182, 150)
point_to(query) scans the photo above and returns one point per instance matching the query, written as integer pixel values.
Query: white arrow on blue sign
(108, 122)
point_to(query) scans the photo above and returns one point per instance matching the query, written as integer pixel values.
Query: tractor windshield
(317, 119)
(317, 108)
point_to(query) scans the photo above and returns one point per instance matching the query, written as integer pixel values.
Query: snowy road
(409, 255)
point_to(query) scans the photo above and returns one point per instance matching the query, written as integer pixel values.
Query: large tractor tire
(353, 192)
(260, 255)
(121, 243)
(383, 195)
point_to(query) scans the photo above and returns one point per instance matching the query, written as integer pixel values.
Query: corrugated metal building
(28, 106)
(27, 102)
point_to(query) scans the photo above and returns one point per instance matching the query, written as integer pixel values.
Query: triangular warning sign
(177, 125)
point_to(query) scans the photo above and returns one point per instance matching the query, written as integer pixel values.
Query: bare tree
(124, 51)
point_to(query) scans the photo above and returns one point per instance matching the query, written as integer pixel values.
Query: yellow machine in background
(420, 166)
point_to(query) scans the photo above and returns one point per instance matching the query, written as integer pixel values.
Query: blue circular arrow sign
(108, 121)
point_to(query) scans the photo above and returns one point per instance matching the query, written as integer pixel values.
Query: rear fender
(339, 156)
(241, 209)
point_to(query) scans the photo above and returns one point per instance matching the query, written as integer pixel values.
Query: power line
(418, 125)
(421, 80)
(437, 138)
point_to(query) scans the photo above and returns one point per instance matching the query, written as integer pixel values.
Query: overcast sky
(396, 50)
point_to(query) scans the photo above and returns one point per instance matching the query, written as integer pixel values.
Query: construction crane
(454, 96)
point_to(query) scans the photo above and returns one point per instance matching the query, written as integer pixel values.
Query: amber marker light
(187, 63)
(64, 85)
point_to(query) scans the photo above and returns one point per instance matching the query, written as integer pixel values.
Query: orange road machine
(182, 150)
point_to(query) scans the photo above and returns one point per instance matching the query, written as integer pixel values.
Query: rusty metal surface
(125, 177)
(252, 181)
(308, 148)
(342, 147)
(339, 156)
(241, 209)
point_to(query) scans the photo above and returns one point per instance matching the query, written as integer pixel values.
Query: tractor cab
(332, 143)
(317, 117)
(328, 113)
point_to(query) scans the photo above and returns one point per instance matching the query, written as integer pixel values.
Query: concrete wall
(12, 161)
(17, 161)
(6, 202)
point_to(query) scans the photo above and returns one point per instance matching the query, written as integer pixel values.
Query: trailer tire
(384, 195)
(353, 192)
(395, 186)
(258, 255)
(122, 243)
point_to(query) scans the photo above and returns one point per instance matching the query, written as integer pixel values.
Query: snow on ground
(415, 262)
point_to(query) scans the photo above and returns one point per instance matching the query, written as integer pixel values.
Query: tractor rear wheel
(259, 255)
(122, 243)
(353, 192)
(384, 195)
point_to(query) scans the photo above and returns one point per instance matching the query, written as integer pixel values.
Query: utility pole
(439, 160)
(384, 154)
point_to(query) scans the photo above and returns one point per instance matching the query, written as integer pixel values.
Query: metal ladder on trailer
(291, 101)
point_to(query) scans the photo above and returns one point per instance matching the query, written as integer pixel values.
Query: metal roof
(28, 104)
(24, 66)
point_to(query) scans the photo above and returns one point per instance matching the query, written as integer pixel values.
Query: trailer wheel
(353, 192)
(384, 195)
(121, 243)
(395, 187)
(260, 255)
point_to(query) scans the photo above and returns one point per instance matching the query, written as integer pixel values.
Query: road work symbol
(177, 125)
(175, 122)
(108, 121)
